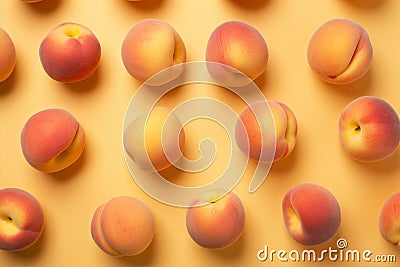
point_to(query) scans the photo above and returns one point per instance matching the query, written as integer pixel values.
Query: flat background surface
(70, 197)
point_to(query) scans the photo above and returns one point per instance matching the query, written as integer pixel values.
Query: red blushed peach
(218, 224)
(311, 214)
(21, 219)
(151, 46)
(258, 124)
(124, 226)
(369, 129)
(240, 46)
(340, 51)
(70, 52)
(8, 57)
(52, 140)
(389, 219)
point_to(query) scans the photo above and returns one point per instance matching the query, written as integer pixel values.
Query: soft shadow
(233, 251)
(32, 252)
(145, 4)
(72, 170)
(367, 4)
(9, 84)
(383, 167)
(287, 164)
(143, 259)
(45, 6)
(253, 4)
(86, 86)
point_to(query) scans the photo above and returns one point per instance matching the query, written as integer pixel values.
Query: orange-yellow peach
(160, 144)
(340, 51)
(52, 140)
(123, 226)
(239, 46)
(218, 224)
(151, 46)
(311, 213)
(389, 219)
(369, 129)
(70, 52)
(258, 124)
(21, 219)
(8, 57)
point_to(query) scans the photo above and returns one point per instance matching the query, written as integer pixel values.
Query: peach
(8, 57)
(369, 129)
(219, 224)
(123, 226)
(151, 46)
(70, 52)
(52, 140)
(156, 141)
(21, 219)
(389, 219)
(311, 213)
(258, 124)
(340, 51)
(241, 47)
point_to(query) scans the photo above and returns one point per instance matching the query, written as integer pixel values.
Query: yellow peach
(8, 56)
(389, 219)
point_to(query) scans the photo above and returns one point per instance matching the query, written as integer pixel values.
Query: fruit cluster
(339, 52)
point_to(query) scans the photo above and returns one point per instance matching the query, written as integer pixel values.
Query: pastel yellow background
(70, 197)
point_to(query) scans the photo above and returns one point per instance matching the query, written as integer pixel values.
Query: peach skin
(52, 140)
(369, 129)
(70, 52)
(8, 56)
(218, 224)
(123, 226)
(254, 130)
(151, 46)
(340, 51)
(21, 219)
(311, 213)
(240, 46)
(389, 219)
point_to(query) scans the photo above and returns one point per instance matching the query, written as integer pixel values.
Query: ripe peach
(52, 140)
(311, 213)
(218, 224)
(256, 128)
(369, 129)
(340, 51)
(8, 57)
(151, 46)
(70, 52)
(123, 226)
(240, 46)
(161, 142)
(21, 219)
(389, 219)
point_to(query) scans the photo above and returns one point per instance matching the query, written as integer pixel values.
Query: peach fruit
(151, 46)
(311, 214)
(70, 52)
(8, 56)
(340, 51)
(123, 226)
(160, 144)
(389, 219)
(239, 46)
(21, 219)
(254, 130)
(52, 140)
(218, 224)
(369, 129)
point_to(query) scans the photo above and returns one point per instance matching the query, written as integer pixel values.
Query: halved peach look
(151, 46)
(123, 226)
(238, 45)
(389, 219)
(369, 129)
(340, 51)
(21, 219)
(8, 57)
(70, 52)
(260, 130)
(218, 224)
(52, 140)
(311, 214)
